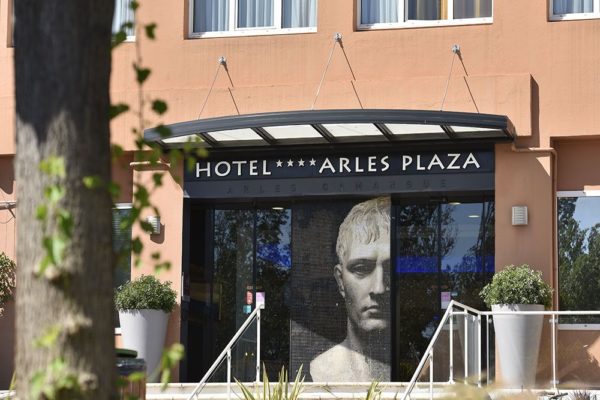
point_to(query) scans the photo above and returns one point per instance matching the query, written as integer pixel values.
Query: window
(124, 14)
(579, 253)
(121, 246)
(574, 9)
(251, 17)
(375, 14)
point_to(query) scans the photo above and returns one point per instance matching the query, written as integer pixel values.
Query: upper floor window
(243, 17)
(406, 13)
(124, 14)
(574, 9)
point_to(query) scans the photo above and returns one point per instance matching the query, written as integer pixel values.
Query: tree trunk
(62, 70)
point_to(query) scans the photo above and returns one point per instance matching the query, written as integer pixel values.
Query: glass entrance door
(248, 261)
(444, 250)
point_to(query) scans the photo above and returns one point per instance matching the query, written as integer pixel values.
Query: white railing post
(554, 382)
(431, 374)
(487, 348)
(479, 376)
(229, 374)
(258, 344)
(466, 348)
(451, 366)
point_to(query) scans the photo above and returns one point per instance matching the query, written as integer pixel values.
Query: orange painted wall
(543, 75)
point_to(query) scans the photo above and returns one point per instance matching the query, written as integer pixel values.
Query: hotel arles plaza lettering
(356, 165)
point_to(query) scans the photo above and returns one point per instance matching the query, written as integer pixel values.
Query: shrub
(146, 292)
(517, 285)
(7, 279)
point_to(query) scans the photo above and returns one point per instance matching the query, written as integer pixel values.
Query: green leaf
(37, 384)
(134, 5)
(141, 73)
(53, 166)
(136, 377)
(117, 109)
(42, 212)
(118, 38)
(116, 150)
(136, 245)
(49, 337)
(54, 193)
(150, 28)
(92, 182)
(163, 131)
(65, 223)
(157, 178)
(159, 106)
(114, 189)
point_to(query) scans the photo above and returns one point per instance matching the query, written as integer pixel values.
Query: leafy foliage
(7, 279)
(578, 260)
(281, 390)
(146, 292)
(517, 285)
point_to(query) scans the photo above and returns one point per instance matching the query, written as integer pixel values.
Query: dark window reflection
(250, 260)
(444, 251)
(579, 255)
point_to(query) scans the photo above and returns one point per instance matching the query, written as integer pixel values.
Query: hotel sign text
(302, 174)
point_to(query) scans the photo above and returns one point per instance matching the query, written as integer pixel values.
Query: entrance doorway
(444, 250)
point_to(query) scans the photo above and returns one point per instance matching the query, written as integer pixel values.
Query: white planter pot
(518, 344)
(144, 331)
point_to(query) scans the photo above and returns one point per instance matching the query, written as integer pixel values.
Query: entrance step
(311, 391)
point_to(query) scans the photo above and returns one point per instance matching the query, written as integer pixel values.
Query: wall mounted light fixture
(154, 221)
(519, 215)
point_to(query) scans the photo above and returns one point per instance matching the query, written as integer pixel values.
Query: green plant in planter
(7, 280)
(517, 285)
(145, 292)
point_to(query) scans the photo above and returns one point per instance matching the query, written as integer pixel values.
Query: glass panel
(378, 11)
(273, 272)
(246, 134)
(293, 132)
(417, 284)
(404, 129)
(345, 130)
(233, 272)
(299, 13)
(443, 252)
(472, 9)
(579, 254)
(121, 243)
(211, 15)
(463, 261)
(427, 9)
(255, 13)
(123, 13)
(572, 6)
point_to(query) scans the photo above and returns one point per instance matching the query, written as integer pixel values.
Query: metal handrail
(226, 353)
(428, 355)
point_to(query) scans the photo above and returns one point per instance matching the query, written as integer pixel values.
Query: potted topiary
(518, 288)
(144, 305)
(7, 280)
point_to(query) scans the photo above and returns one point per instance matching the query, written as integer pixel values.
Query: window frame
(563, 194)
(234, 30)
(402, 23)
(573, 16)
(121, 206)
(129, 38)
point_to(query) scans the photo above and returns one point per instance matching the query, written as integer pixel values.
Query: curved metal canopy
(335, 127)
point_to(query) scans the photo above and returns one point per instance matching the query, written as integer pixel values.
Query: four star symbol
(301, 162)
